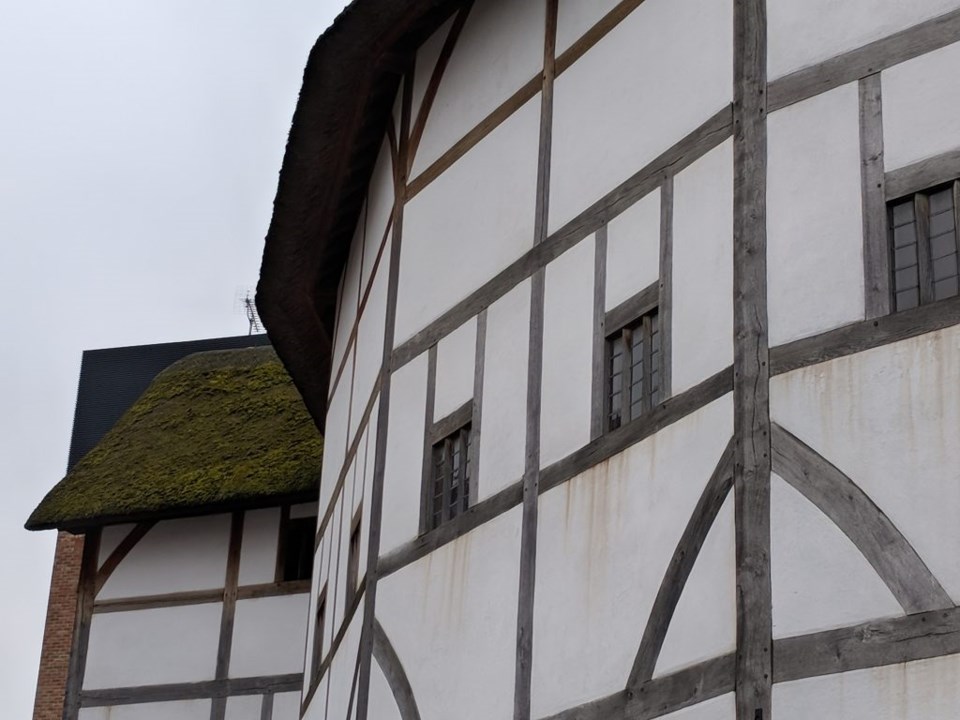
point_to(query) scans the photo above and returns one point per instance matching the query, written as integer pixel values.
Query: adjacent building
(634, 327)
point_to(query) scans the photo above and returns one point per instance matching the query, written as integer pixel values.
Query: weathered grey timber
(598, 362)
(218, 708)
(148, 602)
(867, 60)
(839, 498)
(427, 460)
(393, 671)
(692, 147)
(633, 307)
(119, 553)
(605, 708)
(681, 689)
(451, 423)
(81, 626)
(751, 369)
(922, 175)
(678, 571)
(192, 691)
(860, 336)
(266, 707)
(665, 310)
(876, 253)
(479, 360)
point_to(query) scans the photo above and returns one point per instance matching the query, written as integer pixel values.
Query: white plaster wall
(377, 212)
(808, 32)
(179, 709)
(174, 556)
(633, 250)
(814, 216)
(335, 439)
(504, 420)
(403, 467)
(452, 618)
(258, 551)
(427, 56)
(888, 418)
(268, 635)
(244, 707)
(316, 710)
(370, 343)
(704, 625)
(349, 296)
(921, 690)
(499, 49)
(921, 107)
(575, 17)
(702, 322)
(615, 109)
(820, 579)
(382, 704)
(110, 537)
(567, 353)
(153, 647)
(456, 360)
(471, 222)
(719, 708)
(604, 540)
(342, 671)
(286, 706)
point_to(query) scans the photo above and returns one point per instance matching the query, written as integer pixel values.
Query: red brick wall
(58, 633)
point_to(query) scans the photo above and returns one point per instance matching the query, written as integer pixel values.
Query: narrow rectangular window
(318, 630)
(296, 543)
(449, 487)
(633, 370)
(353, 561)
(923, 246)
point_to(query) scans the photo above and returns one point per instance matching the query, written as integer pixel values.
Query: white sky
(140, 142)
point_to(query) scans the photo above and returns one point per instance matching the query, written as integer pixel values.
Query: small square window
(448, 491)
(633, 370)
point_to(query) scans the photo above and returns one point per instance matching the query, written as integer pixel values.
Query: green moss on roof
(214, 429)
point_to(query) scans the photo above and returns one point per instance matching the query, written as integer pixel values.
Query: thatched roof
(214, 431)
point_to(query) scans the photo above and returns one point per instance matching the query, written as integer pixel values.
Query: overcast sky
(140, 142)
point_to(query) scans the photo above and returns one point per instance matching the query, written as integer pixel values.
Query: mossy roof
(213, 431)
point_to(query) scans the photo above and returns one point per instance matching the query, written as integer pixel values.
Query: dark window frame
(919, 268)
(447, 439)
(353, 560)
(295, 547)
(319, 628)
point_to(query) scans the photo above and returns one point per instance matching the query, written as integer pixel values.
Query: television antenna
(244, 303)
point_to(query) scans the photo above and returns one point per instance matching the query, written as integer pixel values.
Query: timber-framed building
(635, 332)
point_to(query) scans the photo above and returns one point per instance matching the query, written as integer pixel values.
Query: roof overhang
(349, 86)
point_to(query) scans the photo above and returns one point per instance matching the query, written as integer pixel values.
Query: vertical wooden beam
(81, 628)
(266, 707)
(751, 380)
(665, 308)
(383, 415)
(480, 354)
(876, 254)
(599, 390)
(429, 407)
(218, 707)
(531, 476)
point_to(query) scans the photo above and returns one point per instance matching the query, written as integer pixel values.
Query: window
(295, 553)
(923, 233)
(448, 492)
(318, 631)
(353, 561)
(633, 369)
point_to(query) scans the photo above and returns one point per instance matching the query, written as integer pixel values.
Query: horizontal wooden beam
(448, 425)
(690, 686)
(192, 691)
(632, 308)
(199, 597)
(922, 175)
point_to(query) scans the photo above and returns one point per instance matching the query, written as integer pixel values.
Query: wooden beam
(876, 250)
(81, 626)
(690, 686)
(426, 460)
(266, 707)
(396, 676)
(223, 688)
(448, 425)
(922, 175)
(610, 707)
(596, 33)
(598, 390)
(633, 307)
(479, 363)
(840, 499)
(219, 706)
(665, 309)
(119, 553)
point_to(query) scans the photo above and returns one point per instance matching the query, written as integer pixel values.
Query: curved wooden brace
(119, 553)
(392, 668)
(681, 564)
(841, 500)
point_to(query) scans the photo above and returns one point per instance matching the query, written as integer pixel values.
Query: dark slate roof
(214, 431)
(349, 85)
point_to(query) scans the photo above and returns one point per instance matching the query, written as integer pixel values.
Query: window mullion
(447, 478)
(922, 214)
(956, 216)
(626, 381)
(646, 349)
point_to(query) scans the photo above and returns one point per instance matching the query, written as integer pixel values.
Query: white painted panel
(604, 540)
(499, 50)
(704, 625)
(383, 706)
(316, 710)
(427, 56)
(110, 537)
(575, 17)
(921, 690)
(633, 250)
(174, 556)
(814, 216)
(269, 635)
(888, 418)
(820, 579)
(452, 619)
(720, 708)
(403, 468)
(703, 269)
(152, 647)
(456, 355)
(244, 707)
(504, 421)
(567, 353)
(335, 437)
(258, 551)
(342, 671)
(471, 222)
(286, 706)
(302, 510)
(808, 32)
(370, 343)
(921, 107)
(349, 296)
(179, 709)
(656, 77)
(377, 212)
